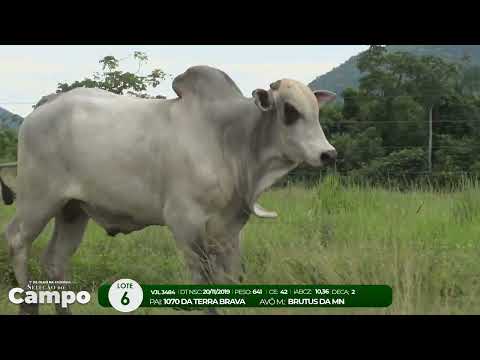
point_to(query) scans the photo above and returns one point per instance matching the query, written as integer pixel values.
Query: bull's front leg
(212, 257)
(226, 260)
(215, 262)
(187, 223)
(211, 244)
(205, 265)
(223, 239)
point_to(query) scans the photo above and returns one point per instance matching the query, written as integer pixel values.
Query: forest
(382, 131)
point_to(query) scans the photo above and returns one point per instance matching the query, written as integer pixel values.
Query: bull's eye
(291, 114)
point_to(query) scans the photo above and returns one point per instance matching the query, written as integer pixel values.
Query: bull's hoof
(28, 309)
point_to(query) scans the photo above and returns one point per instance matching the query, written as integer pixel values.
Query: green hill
(9, 120)
(347, 75)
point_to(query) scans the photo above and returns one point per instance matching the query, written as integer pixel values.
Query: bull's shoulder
(205, 82)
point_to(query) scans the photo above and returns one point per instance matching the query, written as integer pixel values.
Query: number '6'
(125, 300)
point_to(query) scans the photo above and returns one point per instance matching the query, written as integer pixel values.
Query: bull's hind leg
(69, 228)
(20, 234)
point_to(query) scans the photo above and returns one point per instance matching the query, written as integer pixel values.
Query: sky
(28, 72)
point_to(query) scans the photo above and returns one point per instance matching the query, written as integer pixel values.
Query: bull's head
(298, 131)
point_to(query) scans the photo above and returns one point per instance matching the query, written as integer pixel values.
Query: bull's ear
(324, 97)
(263, 99)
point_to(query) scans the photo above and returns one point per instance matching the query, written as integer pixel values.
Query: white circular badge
(125, 295)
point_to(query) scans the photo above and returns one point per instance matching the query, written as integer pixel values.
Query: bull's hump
(205, 82)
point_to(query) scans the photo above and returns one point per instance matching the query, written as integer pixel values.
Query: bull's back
(115, 152)
(92, 145)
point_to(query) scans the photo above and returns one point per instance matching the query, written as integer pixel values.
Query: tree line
(382, 129)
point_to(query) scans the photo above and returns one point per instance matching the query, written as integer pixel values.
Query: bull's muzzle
(328, 157)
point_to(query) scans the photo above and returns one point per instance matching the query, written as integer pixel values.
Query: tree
(470, 82)
(404, 164)
(426, 81)
(120, 82)
(351, 106)
(382, 131)
(8, 145)
(357, 150)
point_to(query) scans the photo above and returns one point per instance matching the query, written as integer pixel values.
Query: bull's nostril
(328, 157)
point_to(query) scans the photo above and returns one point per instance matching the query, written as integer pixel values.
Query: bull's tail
(7, 193)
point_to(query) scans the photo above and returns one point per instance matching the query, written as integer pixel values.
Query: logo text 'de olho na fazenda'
(48, 292)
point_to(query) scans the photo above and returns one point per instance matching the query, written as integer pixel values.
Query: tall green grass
(424, 243)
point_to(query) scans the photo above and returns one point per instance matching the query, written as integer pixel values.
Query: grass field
(424, 244)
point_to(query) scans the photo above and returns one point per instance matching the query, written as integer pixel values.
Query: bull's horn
(259, 211)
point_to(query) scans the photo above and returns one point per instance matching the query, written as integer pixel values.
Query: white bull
(196, 164)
